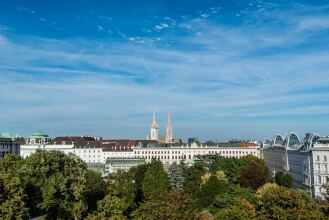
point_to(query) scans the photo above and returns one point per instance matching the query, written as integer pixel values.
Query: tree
(325, 191)
(168, 205)
(155, 179)
(240, 209)
(138, 173)
(12, 198)
(192, 178)
(112, 207)
(230, 196)
(229, 165)
(208, 191)
(176, 177)
(121, 184)
(94, 190)
(276, 202)
(10, 164)
(283, 178)
(253, 175)
(61, 179)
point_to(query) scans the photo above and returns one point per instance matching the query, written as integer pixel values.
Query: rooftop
(6, 135)
(39, 134)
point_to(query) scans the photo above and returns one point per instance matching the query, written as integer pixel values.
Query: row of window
(92, 161)
(5, 147)
(164, 157)
(322, 179)
(167, 157)
(324, 168)
(7, 143)
(85, 151)
(318, 158)
(179, 152)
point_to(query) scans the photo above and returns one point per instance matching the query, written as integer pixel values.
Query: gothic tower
(154, 129)
(169, 135)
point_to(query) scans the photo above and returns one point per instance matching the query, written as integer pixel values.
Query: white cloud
(161, 26)
(26, 9)
(204, 15)
(185, 25)
(100, 28)
(313, 22)
(227, 75)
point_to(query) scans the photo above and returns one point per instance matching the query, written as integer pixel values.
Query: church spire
(169, 133)
(154, 129)
(154, 123)
(169, 119)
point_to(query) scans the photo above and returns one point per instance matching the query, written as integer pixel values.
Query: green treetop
(155, 179)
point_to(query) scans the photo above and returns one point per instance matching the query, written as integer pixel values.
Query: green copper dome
(39, 134)
(6, 135)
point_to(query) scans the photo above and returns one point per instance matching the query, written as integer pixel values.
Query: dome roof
(6, 135)
(39, 134)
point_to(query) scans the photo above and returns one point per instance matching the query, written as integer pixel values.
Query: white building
(111, 155)
(305, 160)
(319, 165)
(170, 153)
(37, 140)
(94, 151)
(89, 149)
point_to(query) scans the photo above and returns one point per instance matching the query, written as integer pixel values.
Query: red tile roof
(247, 144)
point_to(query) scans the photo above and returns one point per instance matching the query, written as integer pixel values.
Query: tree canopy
(283, 178)
(59, 186)
(155, 179)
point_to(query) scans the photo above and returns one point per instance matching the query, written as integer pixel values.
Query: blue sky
(226, 69)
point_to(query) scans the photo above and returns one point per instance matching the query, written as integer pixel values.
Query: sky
(225, 69)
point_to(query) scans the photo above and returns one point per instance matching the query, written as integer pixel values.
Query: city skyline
(226, 70)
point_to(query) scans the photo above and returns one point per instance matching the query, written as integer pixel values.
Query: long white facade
(176, 153)
(89, 149)
(305, 160)
(123, 154)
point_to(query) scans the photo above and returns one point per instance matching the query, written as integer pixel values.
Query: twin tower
(154, 134)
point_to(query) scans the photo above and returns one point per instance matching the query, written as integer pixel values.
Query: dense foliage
(283, 178)
(155, 179)
(58, 186)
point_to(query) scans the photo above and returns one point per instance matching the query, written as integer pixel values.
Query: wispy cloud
(313, 22)
(215, 74)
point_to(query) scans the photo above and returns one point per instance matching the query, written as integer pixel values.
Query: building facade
(9, 144)
(305, 160)
(111, 155)
(37, 140)
(175, 153)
